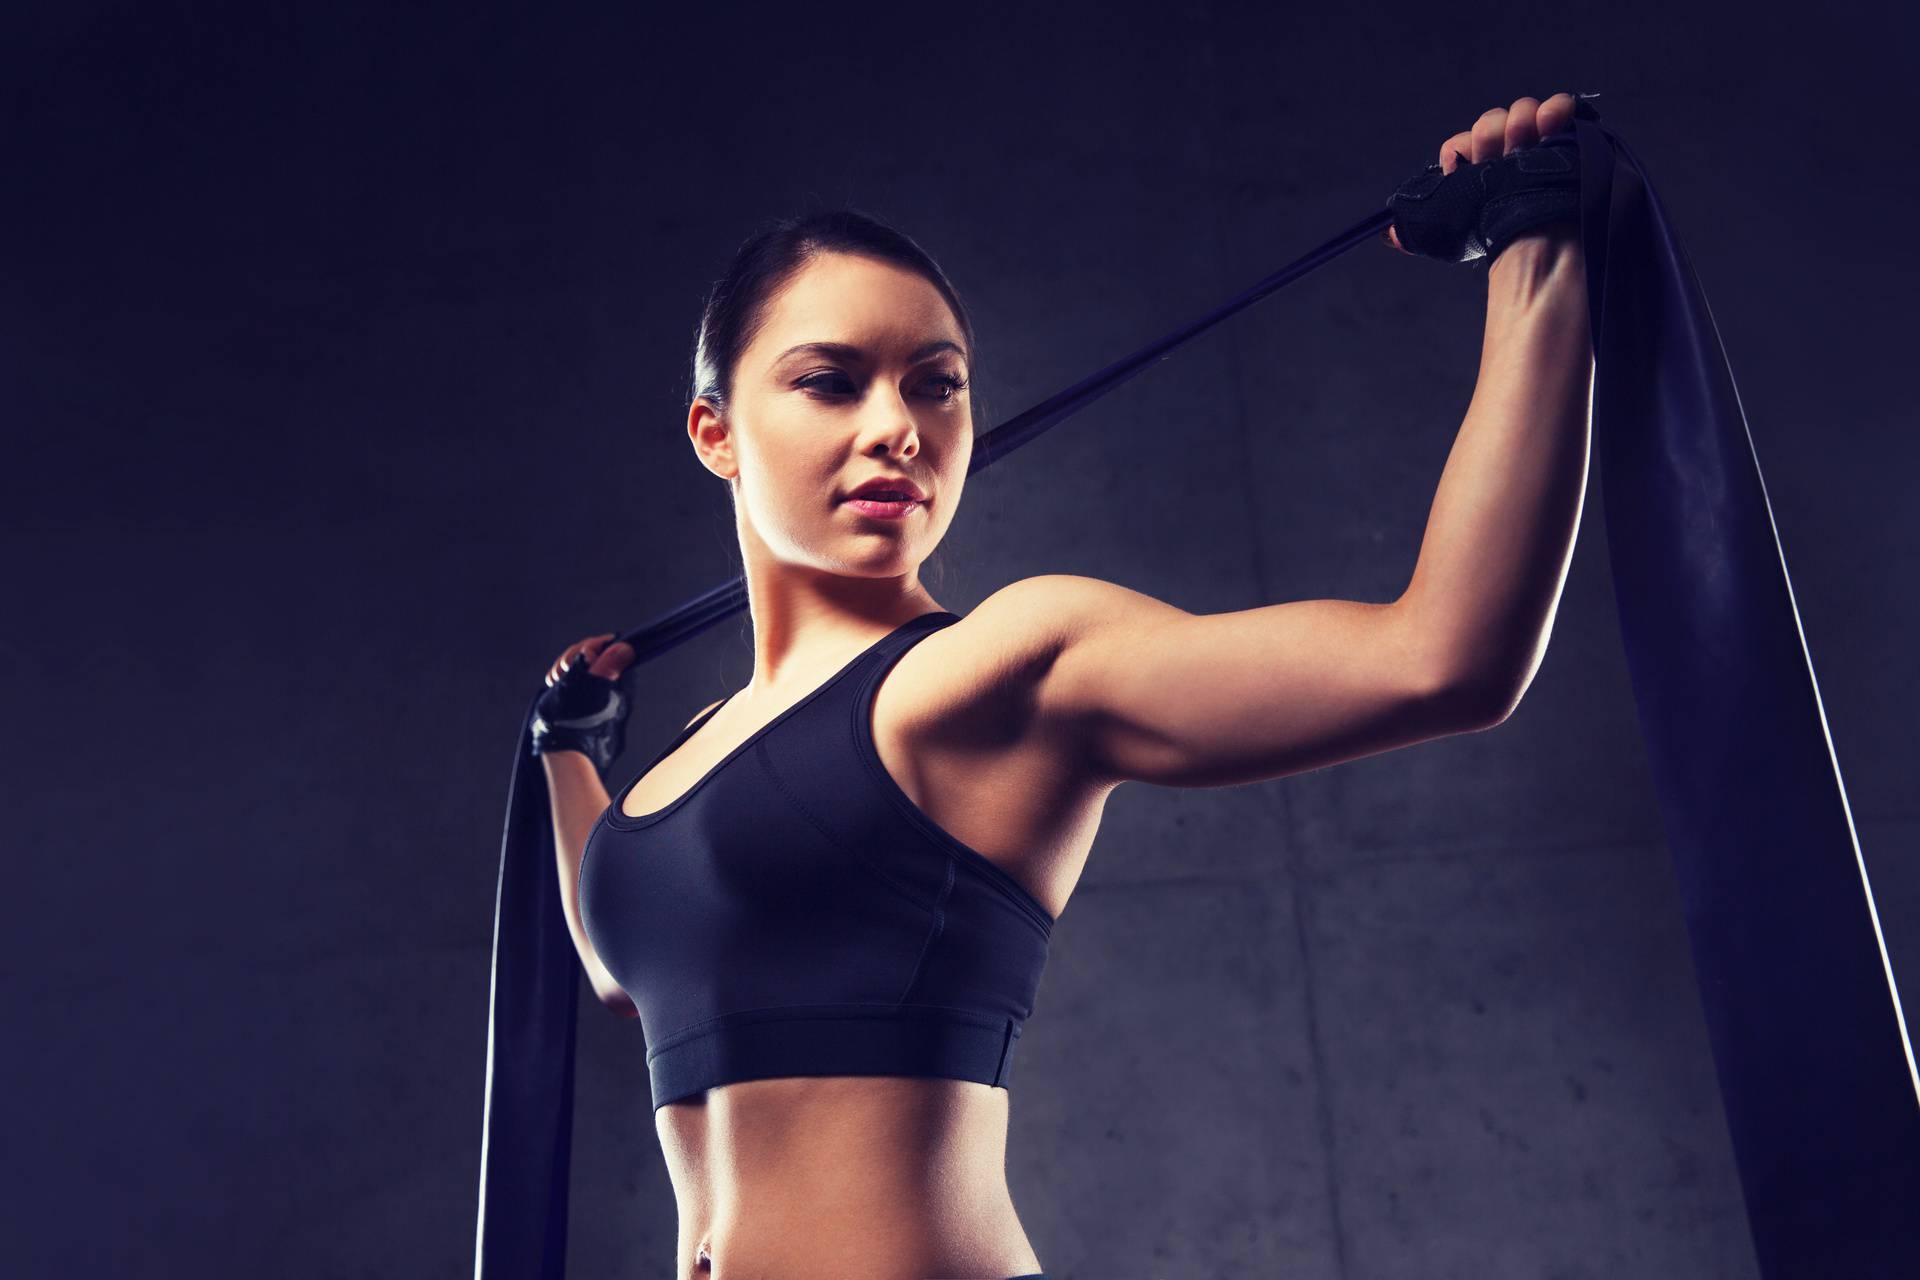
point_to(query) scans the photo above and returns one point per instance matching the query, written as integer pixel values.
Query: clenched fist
(1513, 185)
(583, 708)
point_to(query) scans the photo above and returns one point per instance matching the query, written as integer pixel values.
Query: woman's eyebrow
(847, 351)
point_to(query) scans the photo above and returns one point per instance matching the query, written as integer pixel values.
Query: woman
(890, 816)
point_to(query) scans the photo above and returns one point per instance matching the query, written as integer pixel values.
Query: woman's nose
(894, 424)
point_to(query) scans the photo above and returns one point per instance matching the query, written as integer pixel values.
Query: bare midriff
(836, 1176)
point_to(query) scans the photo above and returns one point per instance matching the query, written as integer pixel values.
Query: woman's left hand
(1501, 130)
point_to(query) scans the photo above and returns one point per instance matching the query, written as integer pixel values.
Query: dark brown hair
(736, 306)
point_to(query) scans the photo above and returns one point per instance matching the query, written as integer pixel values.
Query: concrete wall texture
(351, 344)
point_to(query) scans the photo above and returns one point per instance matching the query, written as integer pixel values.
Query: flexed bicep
(1149, 692)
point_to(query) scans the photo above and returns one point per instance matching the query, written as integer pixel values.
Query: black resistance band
(1816, 1071)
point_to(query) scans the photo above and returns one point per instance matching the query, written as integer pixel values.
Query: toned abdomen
(843, 1175)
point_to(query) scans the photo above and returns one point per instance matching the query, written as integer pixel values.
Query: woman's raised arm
(1141, 690)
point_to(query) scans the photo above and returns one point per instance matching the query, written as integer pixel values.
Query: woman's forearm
(578, 798)
(1500, 533)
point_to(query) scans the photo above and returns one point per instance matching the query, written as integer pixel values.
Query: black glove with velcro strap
(1479, 209)
(581, 712)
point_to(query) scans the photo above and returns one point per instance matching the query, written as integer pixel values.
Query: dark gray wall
(344, 351)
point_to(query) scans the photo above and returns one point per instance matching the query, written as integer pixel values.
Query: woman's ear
(712, 438)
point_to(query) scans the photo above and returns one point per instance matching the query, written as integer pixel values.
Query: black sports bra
(794, 913)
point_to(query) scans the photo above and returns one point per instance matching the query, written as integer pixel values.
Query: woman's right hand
(583, 708)
(618, 655)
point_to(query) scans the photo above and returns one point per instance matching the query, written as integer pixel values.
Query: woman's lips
(883, 509)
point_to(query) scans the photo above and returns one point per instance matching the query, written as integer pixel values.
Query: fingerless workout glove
(581, 712)
(1479, 209)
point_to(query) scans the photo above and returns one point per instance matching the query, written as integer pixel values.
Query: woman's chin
(877, 558)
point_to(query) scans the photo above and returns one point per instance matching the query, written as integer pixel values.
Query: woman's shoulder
(1044, 615)
(1014, 638)
(995, 674)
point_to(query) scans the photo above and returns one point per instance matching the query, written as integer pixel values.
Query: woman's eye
(820, 381)
(944, 388)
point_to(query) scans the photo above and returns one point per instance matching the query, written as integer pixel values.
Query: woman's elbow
(1486, 704)
(617, 1000)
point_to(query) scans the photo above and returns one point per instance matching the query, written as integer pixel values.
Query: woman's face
(859, 372)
